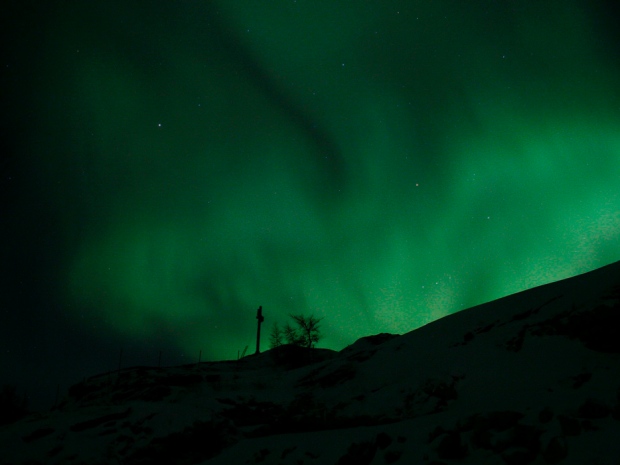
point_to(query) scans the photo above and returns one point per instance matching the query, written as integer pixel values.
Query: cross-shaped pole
(259, 317)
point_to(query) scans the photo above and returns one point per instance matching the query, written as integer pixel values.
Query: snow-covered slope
(530, 378)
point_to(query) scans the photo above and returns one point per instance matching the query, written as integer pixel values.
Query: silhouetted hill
(533, 378)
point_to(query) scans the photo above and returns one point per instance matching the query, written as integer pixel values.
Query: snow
(530, 378)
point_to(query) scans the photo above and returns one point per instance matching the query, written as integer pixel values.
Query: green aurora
(380, 164)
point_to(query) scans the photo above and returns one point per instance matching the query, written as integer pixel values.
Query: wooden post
(259, 317)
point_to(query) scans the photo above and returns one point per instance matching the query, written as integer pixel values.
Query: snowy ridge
(530, 378)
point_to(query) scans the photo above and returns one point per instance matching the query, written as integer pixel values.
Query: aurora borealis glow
(379, 164)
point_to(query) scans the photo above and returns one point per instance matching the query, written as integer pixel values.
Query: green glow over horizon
(379, 164)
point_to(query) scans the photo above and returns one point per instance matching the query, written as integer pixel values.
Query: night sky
(167, 167)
